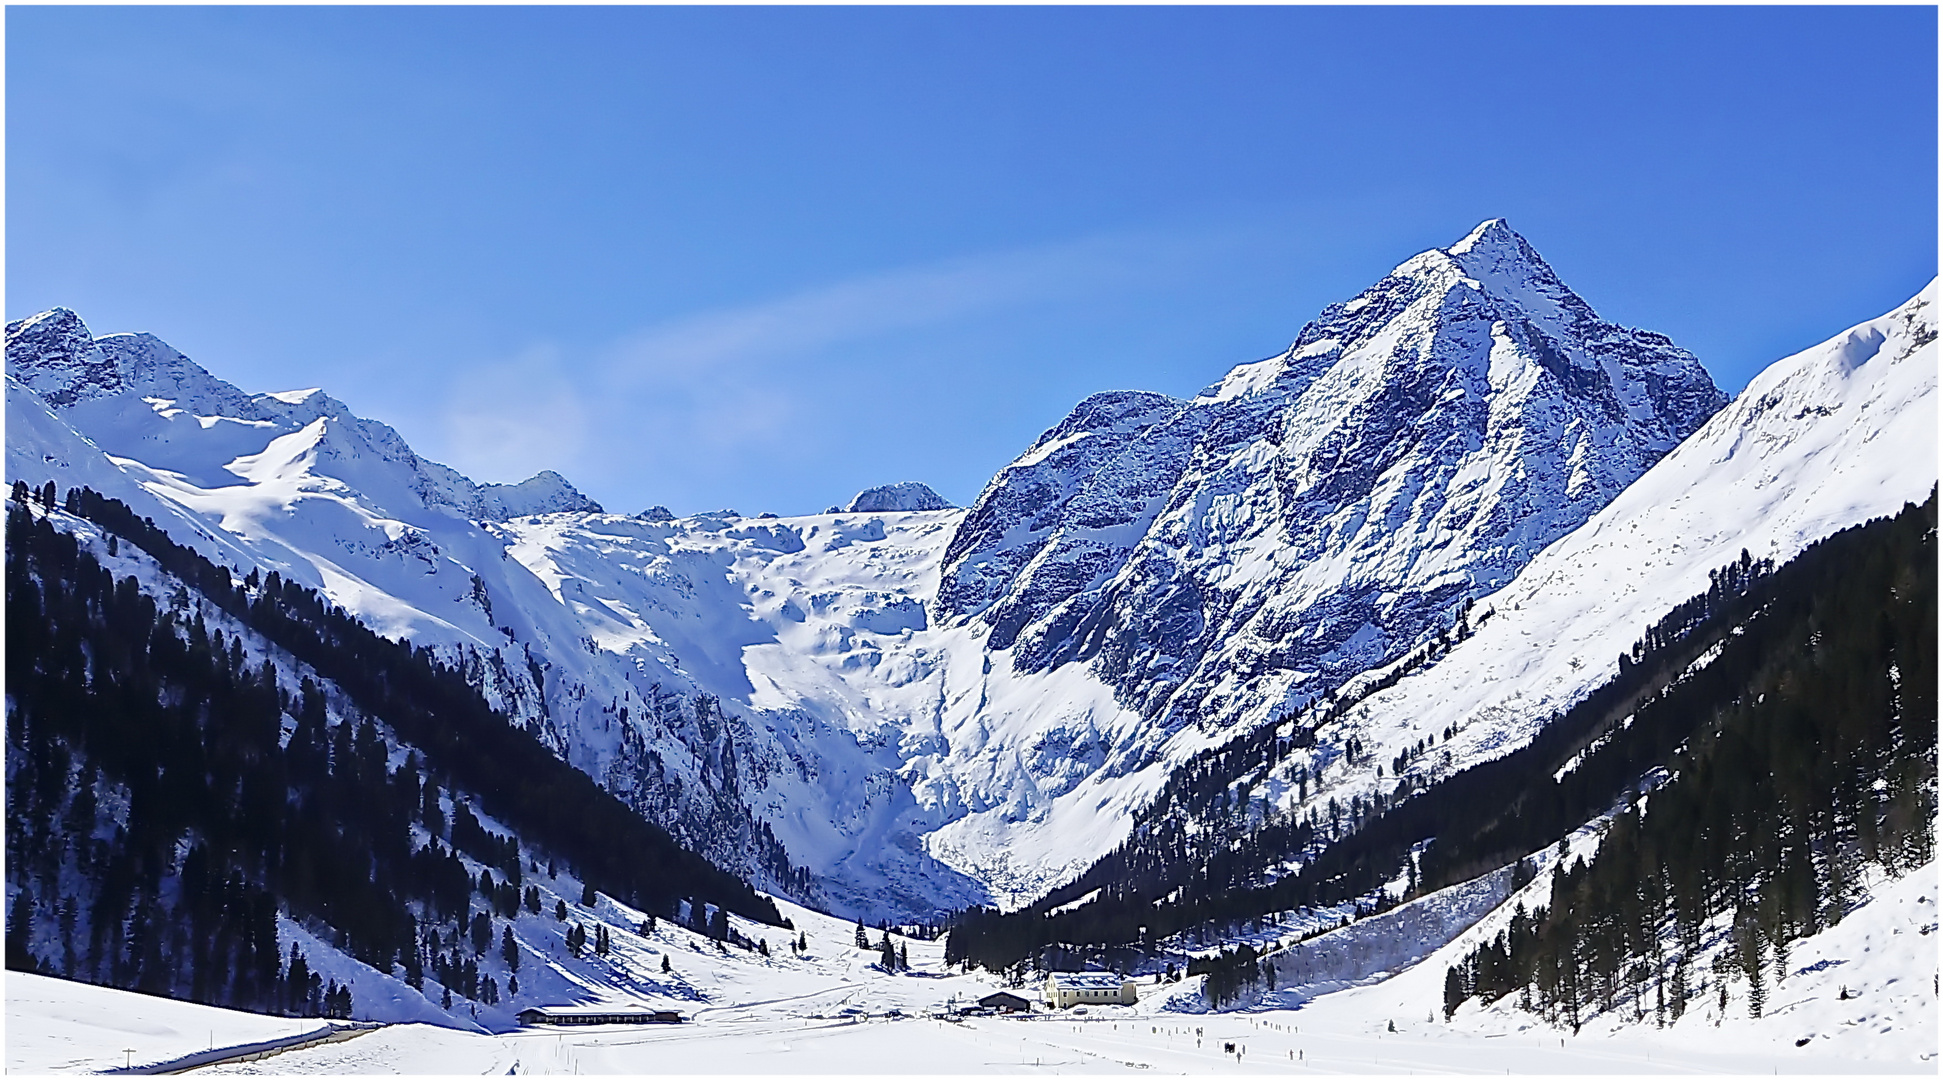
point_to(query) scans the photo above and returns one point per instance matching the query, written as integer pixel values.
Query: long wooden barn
(582, 1015)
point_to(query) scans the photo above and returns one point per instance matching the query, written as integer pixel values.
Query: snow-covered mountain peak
(1491, 232)
(1830, 437)
(1495, 252)
(545, 492)
(1222, 560)
(139, 398)
(1507, 267)
(1492, 269)
(55, 350)
(908, 495)
(54, 354)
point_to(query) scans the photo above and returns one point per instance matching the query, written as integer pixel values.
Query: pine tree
(414, 967)
(20, 923)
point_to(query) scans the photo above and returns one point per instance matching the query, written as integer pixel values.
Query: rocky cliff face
(1320, 512)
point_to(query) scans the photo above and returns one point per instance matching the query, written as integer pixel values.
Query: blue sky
(763, 257)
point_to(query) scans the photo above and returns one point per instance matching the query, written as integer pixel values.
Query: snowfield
(1880, 954)
(56, 1026)
(783, 1017)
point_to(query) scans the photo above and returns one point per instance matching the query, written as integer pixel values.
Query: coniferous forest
(170, 792)
(1856, 713)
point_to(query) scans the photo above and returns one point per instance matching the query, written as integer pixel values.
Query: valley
(774, 1019)
(1293, 701)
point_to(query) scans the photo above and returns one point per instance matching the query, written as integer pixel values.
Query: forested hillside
(189, 756)
(1813, 766)
(1199, 857)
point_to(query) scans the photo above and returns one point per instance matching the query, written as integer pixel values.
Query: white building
(1065, 989)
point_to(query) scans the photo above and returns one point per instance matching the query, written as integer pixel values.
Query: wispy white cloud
(510, 419)
(701, 394)
(910, 298)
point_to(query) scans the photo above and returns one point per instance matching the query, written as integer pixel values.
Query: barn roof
(590, 1010)
(1087, 980)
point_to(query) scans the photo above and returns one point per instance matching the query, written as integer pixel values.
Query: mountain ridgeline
(1831, 657)
(898, 708)
(1469, 395)
(1339, 629)
(190, 755)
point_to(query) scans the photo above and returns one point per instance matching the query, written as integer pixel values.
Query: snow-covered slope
(1852, 1000)
(809, 638)
(293, 483)
(54, 1025)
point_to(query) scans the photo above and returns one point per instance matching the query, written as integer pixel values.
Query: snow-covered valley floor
(828, 1014)
(1339, 1033)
